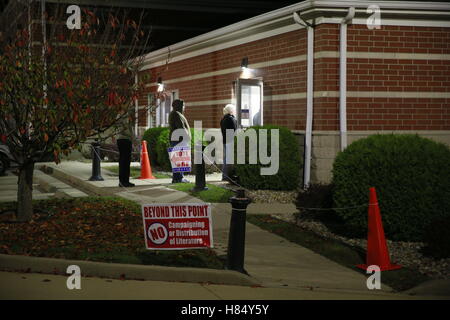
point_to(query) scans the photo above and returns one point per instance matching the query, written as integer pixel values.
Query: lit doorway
(249, 102)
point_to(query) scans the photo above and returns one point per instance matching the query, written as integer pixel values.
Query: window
(151, 111)
(249, 100)
(163, 108)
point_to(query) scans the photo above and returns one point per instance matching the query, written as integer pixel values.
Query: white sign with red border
(177, 226)
(180, 158)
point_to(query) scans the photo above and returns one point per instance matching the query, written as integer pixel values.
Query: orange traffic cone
(377, 250)
(146, 169)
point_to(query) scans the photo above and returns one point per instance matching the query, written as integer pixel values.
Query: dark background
(172, 21)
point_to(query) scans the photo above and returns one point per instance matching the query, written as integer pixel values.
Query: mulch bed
(263, 196)
(408, 254)
(98, 229)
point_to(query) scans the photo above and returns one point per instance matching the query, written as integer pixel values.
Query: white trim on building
(401, 13)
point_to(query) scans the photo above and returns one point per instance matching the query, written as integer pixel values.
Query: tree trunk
(25, 192)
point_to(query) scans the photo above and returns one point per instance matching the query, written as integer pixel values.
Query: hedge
(411, 175)
(151, 136)
(287, 177)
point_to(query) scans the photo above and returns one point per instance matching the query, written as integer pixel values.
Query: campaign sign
(177, 226)
(180, 158)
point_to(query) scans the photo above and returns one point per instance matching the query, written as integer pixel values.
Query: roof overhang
(313, 11)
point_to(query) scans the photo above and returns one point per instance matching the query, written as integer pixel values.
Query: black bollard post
(96, 169)
(200, 172)
(236, 237)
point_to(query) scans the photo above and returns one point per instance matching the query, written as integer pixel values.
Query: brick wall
(378, 74)
(406, 109)
(281, 46)
(398, 114)
(282, 79)
(402, 39)
(397, 84)
(398, 79)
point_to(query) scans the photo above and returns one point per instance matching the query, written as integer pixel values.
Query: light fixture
(246, 73)
(244, 63)
(160, 85)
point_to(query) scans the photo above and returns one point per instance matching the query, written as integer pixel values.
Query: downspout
(309, 99)
(343, 77)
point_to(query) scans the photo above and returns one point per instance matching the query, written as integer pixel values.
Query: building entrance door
(249, 102)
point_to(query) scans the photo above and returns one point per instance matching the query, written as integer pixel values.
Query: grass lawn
(136, 172)
(214, 193)
(102, 229)
(347, 256)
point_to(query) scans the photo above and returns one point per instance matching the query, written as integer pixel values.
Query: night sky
(172, 21)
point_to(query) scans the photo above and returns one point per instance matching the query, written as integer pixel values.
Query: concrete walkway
(44, 187)
(50, 287)
(269, 259)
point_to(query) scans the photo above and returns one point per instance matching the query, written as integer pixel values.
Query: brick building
(318, 68)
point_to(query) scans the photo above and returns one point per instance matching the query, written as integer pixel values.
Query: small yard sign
(180, 159)
(177, 226)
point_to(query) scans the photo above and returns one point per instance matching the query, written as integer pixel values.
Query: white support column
(309, 107)
(343, 86)
(309, 99)
(343, 77)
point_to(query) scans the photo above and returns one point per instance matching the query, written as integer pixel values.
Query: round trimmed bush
(151, 136)
(287, 177)
(161, 150)
(411, 175)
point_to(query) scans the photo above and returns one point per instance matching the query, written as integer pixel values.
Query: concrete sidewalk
(24, 286)
(44, 187)
(271, 260)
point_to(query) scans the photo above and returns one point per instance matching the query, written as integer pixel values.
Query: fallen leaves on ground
(75, 226)
(95, 229)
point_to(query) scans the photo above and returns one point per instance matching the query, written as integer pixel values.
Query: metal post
(236, 238)
(96, 169)
(200, 174)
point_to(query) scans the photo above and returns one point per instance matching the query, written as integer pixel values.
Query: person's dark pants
(176, 176)
(226, 167)
(125, 147)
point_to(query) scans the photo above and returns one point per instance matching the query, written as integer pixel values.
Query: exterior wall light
(246, 72)
(244, 63)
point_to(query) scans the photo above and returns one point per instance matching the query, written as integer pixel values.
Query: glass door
(249, 100)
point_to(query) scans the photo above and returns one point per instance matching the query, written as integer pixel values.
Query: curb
(59, 188)
(65, 177)
(83, 184)
(27, 264)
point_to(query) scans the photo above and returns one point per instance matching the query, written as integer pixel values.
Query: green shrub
(151, 136)
(411, 175)
(287, 178)
(437, 238)
(161, 149)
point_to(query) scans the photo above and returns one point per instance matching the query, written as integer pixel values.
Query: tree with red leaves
(59, 87)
